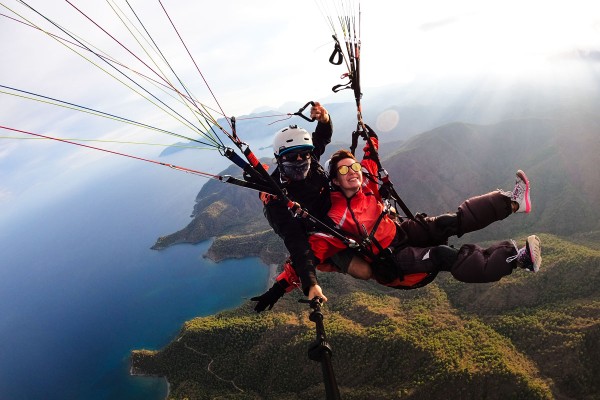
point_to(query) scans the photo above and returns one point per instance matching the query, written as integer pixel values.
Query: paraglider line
(192, 171)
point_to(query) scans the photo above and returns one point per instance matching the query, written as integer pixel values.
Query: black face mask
(295, 170)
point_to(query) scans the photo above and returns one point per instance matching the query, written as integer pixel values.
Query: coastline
(137, 372)
(132, 372)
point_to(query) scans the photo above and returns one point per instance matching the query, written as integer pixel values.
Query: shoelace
(513, 258)
(518, 190)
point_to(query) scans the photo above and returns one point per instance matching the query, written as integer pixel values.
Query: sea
(80, 287)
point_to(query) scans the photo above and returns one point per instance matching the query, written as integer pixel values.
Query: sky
(253, 55)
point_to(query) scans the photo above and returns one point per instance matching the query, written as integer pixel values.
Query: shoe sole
(536, 261)
(523, 177)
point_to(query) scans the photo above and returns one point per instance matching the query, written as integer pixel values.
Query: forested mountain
(529, 336)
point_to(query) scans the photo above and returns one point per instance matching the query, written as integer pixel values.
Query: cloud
(252, 56)
(429, 26)
(5, 195)
(589, 55)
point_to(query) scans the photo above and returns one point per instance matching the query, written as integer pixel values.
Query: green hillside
(530, 336)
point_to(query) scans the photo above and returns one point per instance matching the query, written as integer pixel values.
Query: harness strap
(385, 255)
(387, 190)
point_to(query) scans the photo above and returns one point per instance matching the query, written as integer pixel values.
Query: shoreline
(133, 371)
(140, 375)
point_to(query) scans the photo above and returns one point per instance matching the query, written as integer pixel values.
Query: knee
(360, 269)
(446, 221)
(444, 257)
(480, 211)
(446, 225)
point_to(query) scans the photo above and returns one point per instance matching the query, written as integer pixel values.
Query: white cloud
(253, 55)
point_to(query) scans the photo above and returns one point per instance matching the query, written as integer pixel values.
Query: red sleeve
(324, 245)
(289, 277)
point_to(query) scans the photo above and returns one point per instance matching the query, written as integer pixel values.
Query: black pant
(420, 244)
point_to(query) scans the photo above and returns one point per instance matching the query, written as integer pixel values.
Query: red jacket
(356, 217)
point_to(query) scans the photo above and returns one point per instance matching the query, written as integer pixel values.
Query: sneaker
(530, 256)
(520, 193)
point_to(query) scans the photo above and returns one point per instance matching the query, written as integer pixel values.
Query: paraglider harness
(256, 177)
(384, 263)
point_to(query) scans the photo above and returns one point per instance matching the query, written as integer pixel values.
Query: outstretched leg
(477, 265)
(471, 263)
(473, 214)
(478, 212)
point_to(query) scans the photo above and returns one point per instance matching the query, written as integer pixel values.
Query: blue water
(80, 288)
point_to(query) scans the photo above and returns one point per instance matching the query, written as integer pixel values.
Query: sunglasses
(293, 156)
(344, 169)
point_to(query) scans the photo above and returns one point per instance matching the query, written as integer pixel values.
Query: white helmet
(291, 138)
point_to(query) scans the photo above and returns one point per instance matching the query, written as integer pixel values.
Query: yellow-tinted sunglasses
(344, 169)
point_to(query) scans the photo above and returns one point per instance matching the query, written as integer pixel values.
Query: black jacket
(313, 196)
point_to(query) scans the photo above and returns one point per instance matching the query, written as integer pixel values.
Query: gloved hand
(269, 298)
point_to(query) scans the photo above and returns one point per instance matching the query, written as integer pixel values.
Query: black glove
(269, 298)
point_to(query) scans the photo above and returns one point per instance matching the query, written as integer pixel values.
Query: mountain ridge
(437, 170)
